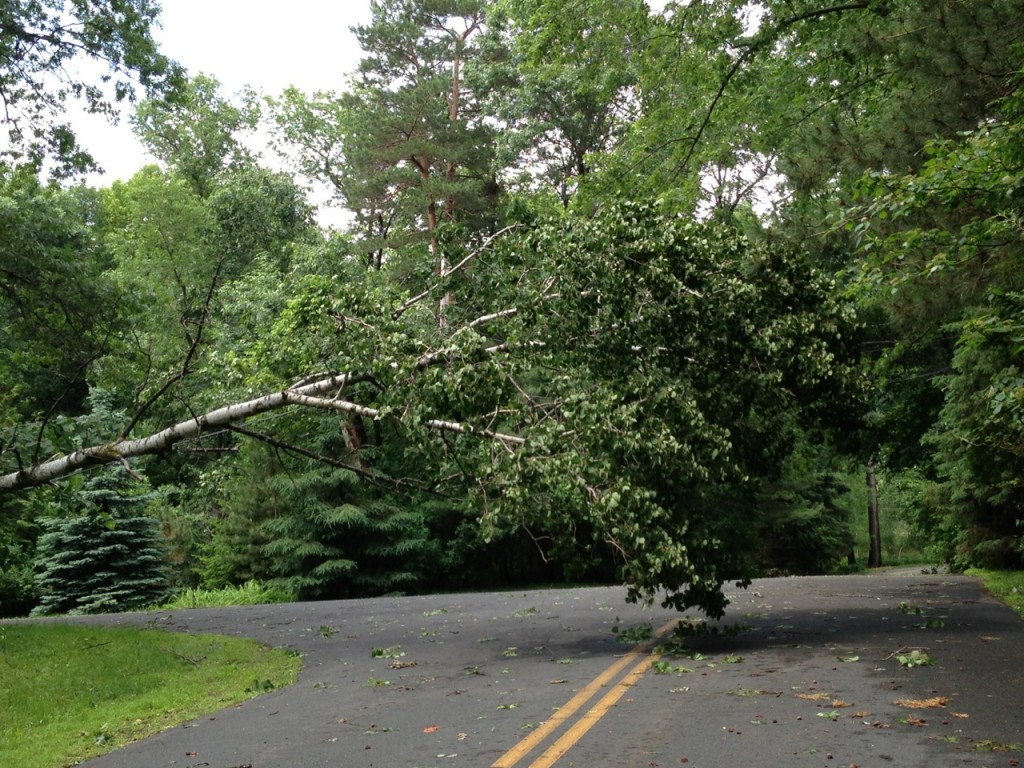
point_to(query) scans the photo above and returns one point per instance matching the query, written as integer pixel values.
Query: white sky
(266, 45)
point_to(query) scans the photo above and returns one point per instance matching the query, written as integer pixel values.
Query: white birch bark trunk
(308, 395)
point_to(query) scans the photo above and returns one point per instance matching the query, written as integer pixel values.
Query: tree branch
(185, 370)
(761, 41)
(448, 271)
(226, 417)
(292, 448)
(372, 413)
(163, 440)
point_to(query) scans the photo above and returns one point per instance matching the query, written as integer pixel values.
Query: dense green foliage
(59, 310)
(679, 361)
(944, 248)
(625, 295)
(249, 593)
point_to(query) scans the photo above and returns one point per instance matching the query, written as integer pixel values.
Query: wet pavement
(810, 671)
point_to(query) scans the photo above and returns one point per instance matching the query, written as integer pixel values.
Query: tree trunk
(299, 395)
(875, 555)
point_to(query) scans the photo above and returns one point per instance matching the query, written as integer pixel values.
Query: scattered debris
(932, 703)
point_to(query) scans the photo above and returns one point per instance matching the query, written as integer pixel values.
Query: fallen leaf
(933, 703)
(840, 704)
(557, 682)
(861, 714)
(917, 721)
(402, 664)
(813, 696)
(961, 715)
(463, 736)
(432, 728)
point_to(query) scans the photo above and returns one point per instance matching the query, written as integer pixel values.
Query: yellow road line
(567, 710)
(579, 729)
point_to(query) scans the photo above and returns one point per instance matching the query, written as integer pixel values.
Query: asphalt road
(535, 679)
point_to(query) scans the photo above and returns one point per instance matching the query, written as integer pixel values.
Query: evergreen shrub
(92, 564)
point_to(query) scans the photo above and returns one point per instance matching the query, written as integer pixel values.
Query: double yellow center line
(578, 729)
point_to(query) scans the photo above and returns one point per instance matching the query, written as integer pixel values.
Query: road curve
(538, 678)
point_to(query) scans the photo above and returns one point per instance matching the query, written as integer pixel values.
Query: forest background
(624, 295)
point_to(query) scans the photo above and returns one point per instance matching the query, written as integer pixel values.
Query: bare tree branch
(761, 42)
(163, 440)
(229, 416)
(372, 413)
(186, 363)
(448, 271)
(296, 449)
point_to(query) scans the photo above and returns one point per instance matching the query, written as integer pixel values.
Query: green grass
(1008, 586)
(71, 692)
(250, 593)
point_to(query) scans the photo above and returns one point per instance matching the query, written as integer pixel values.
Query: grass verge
(70, 692)
(1008, 586)
(250, 593)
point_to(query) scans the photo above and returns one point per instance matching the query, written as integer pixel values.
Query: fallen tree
(654, 372)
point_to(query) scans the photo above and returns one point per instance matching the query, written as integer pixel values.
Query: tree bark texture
(874, 530)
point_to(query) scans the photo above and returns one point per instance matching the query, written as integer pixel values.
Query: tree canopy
(43, 43)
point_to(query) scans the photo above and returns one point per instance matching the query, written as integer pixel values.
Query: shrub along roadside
(69, 693)
(251, 592)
